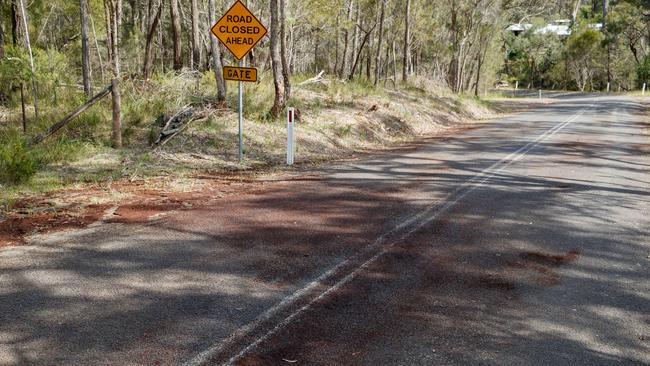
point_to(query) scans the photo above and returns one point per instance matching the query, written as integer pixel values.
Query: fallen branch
(171, 119)
(316, 79)
(176, 133)
(57, 126)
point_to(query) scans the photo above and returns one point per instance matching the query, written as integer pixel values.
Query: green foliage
(585, 56)
(14, 69)
(53, 70)
(643, 72)
(17, 163)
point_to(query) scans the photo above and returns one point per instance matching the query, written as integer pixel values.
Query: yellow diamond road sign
(239, 30)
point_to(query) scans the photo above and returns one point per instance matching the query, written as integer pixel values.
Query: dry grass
(338, 119)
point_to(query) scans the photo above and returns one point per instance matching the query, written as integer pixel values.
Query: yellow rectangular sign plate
(240, 73)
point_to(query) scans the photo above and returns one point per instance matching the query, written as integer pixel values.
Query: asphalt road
(525, 241)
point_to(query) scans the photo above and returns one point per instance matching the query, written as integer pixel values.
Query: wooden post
(117, 120)
(57, 126)
(22, 105)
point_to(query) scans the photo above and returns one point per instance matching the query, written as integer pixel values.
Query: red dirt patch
(22, 222)
(18, 226)
(140, 201)
(140, 213)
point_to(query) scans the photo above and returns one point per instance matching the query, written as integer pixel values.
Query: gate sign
(239, 30)
(240, 73)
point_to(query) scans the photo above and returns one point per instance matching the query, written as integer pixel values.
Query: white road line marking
(466, 188)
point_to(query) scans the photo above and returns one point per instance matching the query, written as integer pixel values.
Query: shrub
(17, 164)
(643, 72)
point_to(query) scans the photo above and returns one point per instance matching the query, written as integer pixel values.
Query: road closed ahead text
(240, 34)
(239, 30)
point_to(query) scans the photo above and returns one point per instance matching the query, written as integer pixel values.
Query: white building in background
(560, 27)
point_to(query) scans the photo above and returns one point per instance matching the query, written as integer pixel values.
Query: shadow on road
(562, 232)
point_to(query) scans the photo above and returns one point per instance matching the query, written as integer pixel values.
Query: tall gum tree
(283, 50)
(216, 56)
(85, 53)
(407, 38)
(176, 35)
(279, 100)
(196, 48)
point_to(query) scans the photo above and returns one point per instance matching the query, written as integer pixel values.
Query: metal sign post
(239, 30)
(241, 116)
(290, 136)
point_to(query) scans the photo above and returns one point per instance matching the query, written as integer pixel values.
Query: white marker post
(608, 87)
(291, 114)
(516, 87)
(540, 93)
(643, 91)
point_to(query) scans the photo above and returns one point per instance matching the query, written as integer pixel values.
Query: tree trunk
(114, 10)
(369, 61)
(117, 113)
(176, 35)
(196, 50)
(478, 73)
(2, 41)
(85, 53)
(407, 36)
(336, 44)
(133, 11)
(109, 27)
(118, 14)
(358, 55)
(276, 62)
(452, 71)
(380, 39)
(148, 50)
(283, 51)
(28, 45)
(15, 34)
(114, 30)
(346, 41)
(355, 34)
(635, 53)
(216, 57)
(394, 64)
(384, 70)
